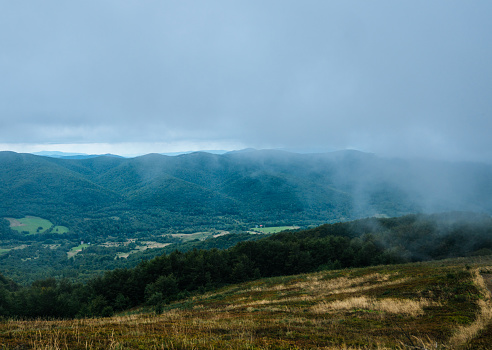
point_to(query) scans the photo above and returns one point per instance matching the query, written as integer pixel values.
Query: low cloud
(396, 79)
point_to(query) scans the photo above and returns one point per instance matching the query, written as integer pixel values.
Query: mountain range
(250, 185)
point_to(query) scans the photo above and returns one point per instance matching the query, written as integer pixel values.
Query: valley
(246, 250)
(245, 175)
(36, 255)
(48, 206)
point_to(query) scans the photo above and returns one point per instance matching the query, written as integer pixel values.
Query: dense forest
(155, 193)
(179, 274)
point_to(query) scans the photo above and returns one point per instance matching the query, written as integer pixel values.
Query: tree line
(178, 274)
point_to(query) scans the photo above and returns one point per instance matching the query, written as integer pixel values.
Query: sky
(395, 78)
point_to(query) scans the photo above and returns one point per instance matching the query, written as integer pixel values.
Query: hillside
(250, 186)
(108, 212)
(28, 257)
(434, 305)
(199, 266)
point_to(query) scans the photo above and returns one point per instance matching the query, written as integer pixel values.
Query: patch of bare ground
(222, 233)
(72, 253)
(118, 244)
(142, 247)
(153, 245)
(14, 222)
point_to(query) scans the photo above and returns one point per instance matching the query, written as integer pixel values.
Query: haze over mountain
(400, 79)
(253, 185)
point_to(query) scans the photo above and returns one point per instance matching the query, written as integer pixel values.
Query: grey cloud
(393, 78)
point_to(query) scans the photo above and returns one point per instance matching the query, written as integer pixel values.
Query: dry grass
(389, 305)
(374, 308)
(466, 333)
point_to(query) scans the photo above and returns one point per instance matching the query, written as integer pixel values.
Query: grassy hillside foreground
(435, 305)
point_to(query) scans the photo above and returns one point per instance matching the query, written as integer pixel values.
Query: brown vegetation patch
(389, 305)
(15, 222)
(346, 309)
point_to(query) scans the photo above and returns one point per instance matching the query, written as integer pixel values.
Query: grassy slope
(32, 223)
(444, 303)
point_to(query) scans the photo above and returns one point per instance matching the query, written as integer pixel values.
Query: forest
(151, 193)
(110, 212)
(178, 274)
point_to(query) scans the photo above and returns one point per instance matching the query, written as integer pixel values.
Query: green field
(79, 247)
(3, 251)
(273, 229)
(34, 225)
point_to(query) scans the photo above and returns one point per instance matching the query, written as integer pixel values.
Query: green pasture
(79, 247)
(34, 225)
(274, 229)
(30, 224)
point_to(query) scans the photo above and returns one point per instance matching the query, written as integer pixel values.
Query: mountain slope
(35, 185)
(413, 306)
(254, 185)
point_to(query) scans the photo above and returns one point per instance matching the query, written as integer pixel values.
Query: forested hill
(250, 185)
(180, 274)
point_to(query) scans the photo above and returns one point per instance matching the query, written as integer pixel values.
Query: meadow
(34, 224)
(3, 251)
(434, 305)
(273, 229)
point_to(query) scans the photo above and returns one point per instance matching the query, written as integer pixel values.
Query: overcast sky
(397, 78)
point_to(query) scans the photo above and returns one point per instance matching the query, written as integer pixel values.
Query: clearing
(3, 251)
(273, 229)
(34, 225)
(200, 235)
(143, 246)
(75, 250)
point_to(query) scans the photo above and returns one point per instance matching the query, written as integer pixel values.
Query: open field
(33, 225)
(199, 235)
(3, 251)
(75, 250)
(274, 229)
(418, 306)
(79, 247)
(142, 247)
(30, 224)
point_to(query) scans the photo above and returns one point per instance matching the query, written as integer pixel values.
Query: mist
(395, 79)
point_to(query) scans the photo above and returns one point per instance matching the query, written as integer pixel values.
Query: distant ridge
(251, 185)
(64, 155)
(69, 155)
(57, 154)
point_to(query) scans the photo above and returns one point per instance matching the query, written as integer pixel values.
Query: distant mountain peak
(67, 155)
(58, 154)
